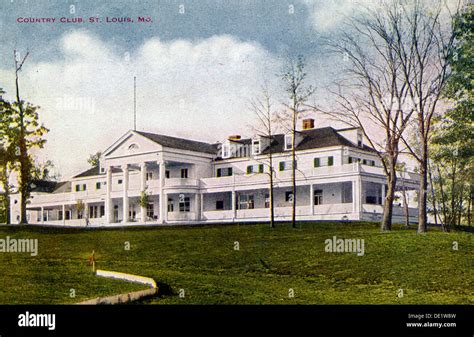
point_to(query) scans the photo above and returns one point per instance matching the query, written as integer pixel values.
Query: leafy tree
(453, 140)
(94, 159)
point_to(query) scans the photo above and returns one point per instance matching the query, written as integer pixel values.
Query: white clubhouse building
(338, 177)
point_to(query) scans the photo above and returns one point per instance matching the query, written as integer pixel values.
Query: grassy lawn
(203, 262)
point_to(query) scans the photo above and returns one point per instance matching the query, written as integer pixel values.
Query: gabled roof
(93, 171)
(180, 143)
(313, 139)
(48, 186)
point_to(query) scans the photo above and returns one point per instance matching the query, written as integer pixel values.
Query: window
(82, 187)
(170, 205)
(255, 169)
(226, 150)
(97, 185)
(185, 204)
(359, 139)
(246, 201)
(318, 197)
(120, 181)
(224, 172)
(150, 213)
(102, 211)
(267, 200)
(346, 192)
(219, 204)
(133, 147)
(288, 142)
(256, 147)
(324, 161)
(289, 197)
(287, 165)
(368, 162)
(167, 174)
(330, 161)
(317, 162)
(149, 176)
(184, 173)
(94, 211)
(60, 215)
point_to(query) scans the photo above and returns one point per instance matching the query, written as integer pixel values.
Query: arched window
(133, 147)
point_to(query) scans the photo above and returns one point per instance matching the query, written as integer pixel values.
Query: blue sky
(196, 72)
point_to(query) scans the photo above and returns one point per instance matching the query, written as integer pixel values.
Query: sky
(197, 63)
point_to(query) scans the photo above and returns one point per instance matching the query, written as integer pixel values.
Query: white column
(311, 198)
(357, 196)
(201, 213)
(125, 202)
(197, 206)
(234, 210)
(143, 188)
(109, 211)
(64, 214)
(42, 214)
(163, 198)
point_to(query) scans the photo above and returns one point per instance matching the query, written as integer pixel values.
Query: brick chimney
(308, 124)
(235, 137)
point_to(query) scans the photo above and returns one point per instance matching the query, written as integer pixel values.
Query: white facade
(189, 182)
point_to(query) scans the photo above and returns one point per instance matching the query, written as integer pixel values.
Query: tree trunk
(272, 207)
(453, 193)
(422, 219)
(405, 206)
(24, 160)
(293, 175)
(444, 223)
(386, 224)
(435, 210)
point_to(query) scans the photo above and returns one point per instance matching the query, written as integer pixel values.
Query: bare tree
(372, 93)
(424, 42)
(293, 76)
(262, 107)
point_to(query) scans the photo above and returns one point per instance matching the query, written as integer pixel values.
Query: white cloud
(196, 89)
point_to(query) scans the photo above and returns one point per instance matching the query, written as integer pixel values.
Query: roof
(94, 171)
(180, 143)
(48, 186)
(313, 139)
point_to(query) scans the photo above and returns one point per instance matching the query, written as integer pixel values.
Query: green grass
(203, 262)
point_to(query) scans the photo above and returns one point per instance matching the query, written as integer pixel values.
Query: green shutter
(260, 168)
(350, 160)
(249, 169)
(282, 166)
(316, 162)
(219, 172)
(230, 170)
(330, 161)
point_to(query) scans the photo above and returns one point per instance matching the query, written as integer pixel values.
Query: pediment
(130, 144)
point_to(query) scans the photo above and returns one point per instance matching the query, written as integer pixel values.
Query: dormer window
(288, 142)
(256, 149)
(226, 150)
(359, 139)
